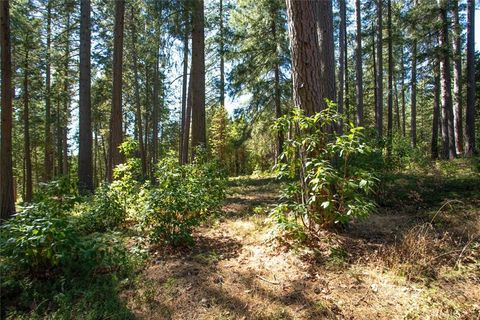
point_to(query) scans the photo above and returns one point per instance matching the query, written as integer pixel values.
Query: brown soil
(236, 272)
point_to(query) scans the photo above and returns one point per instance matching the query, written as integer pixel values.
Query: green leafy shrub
(37, 243)
(183, 197)
(329, 187)
(103, 211)
(59, 195)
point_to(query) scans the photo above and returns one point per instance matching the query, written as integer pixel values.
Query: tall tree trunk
(26, 128)
(222, 57)
(327, 52)
(278, 93)
(436, 112)
(188, 115)
(342, 55)
(390, 80)
(447, 110)
(48, 156)
(374, 64)
(199, 136)
(379, 75)
(302, 22)
(7, 197)
(397, 104)
(359, 64)
(457, 79)
(85, 166)
(138, 115)
(182, 157)
(66, 102)
(402, 66)
(148, 117)
(116, 135)
(413, 97)
(155, 110)
(470, 147)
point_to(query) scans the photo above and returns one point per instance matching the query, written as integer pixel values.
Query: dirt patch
(234, 272)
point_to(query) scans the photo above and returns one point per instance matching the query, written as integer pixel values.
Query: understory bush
(328, 184)
(183, 197)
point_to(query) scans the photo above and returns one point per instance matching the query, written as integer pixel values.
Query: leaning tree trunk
(199, 134)
(445, 78)
(302, 21)
(85, 165)
(116, 135)
(358, 64)
(470, 114)
(7, 197)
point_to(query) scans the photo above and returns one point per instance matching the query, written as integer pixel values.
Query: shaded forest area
(239, 159)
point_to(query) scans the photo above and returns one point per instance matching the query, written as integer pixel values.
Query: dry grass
(395, 265)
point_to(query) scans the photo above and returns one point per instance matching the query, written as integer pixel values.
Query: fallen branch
(269, 281)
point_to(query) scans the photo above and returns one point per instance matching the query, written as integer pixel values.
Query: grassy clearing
(417, 257)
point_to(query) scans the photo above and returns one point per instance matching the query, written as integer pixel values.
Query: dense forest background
(247, 71)
(126, 124)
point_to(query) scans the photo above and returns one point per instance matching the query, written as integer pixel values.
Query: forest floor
(417, 257)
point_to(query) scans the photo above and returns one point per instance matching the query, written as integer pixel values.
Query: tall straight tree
(222, 56)
(413, 93)
(470, 147)
(7, 197)
(199, 135)
(302, 22)
(138, 108)
(446, 84)
(66, 92)
(187, 122)
(457, 78)
(116, 133)
(436, 111)
(379, 74)
(402, 67)
(26, 126)
(85, 165)
(359, 64)
(48, 155)
(278, 93)
(390, 79)
(342, 55)
(182, 156)
(327, 52)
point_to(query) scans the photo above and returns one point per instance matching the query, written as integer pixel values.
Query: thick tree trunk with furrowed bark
(85, 165)
(359, 64)
(470, 147)
(116, 133)
(302, 22)
(199, 134)
(7, 197)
